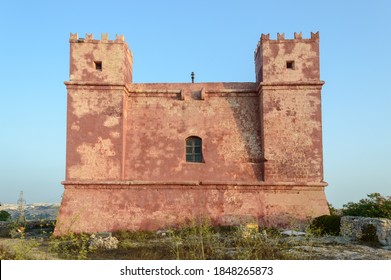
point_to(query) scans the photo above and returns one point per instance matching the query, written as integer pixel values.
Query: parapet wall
(100, 61)
(298, 37)
(287, 60)
(74, 38)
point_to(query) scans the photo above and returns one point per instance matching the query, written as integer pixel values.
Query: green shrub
(375, 206)
(326, 224)
(136, 236)
(369, 234)
(71, 246)
(195, 241)
(126, 244)
(4, 215)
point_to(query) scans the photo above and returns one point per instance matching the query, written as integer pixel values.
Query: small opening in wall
(290, 64)
(98, 65)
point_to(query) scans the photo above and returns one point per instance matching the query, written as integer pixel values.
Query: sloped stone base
(127, 205)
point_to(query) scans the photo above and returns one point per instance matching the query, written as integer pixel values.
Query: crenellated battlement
(101, 60)
(89, 38)
(289, 60)
(297, 37)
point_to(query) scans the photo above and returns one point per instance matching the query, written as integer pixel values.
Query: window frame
(194, 155)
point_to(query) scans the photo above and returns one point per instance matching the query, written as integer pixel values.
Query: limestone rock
(293, 233)
(359, 228)
(103, 240)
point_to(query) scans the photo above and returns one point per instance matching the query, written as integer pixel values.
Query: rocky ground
(301, 247)
(337, 248)
(34, 243)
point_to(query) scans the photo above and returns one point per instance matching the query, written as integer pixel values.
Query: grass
(70, 246)
(6, 254)
(198, 242)
(190, 242)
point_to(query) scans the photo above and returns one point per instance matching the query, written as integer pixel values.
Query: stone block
(355, 228)
(103, 241)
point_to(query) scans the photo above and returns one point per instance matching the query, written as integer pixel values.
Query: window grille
(194, 149)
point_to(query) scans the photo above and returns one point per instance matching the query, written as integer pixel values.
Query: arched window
(194, 149)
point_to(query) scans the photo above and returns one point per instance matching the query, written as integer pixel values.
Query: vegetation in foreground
(5, 254)
(193, 241)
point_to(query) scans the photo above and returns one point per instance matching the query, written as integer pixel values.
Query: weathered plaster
(96, 161)
(158, 127)
(261, 142)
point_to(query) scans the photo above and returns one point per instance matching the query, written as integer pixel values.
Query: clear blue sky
(216, 40)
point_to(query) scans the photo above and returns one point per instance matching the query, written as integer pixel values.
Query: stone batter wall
(134, 206)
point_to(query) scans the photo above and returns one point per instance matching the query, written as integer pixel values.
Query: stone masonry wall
(292, 133)
(290, 97)
(158, 125)
(272, 56)
(357, 228)
(114, 55)
(94, 128)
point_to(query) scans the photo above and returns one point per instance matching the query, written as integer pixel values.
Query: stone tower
(99, 72)
(290, 100)
(151, 156)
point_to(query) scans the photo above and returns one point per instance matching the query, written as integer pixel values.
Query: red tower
(150, 156)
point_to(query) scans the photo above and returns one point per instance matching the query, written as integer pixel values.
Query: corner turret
(100, 61)
(287, 60)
